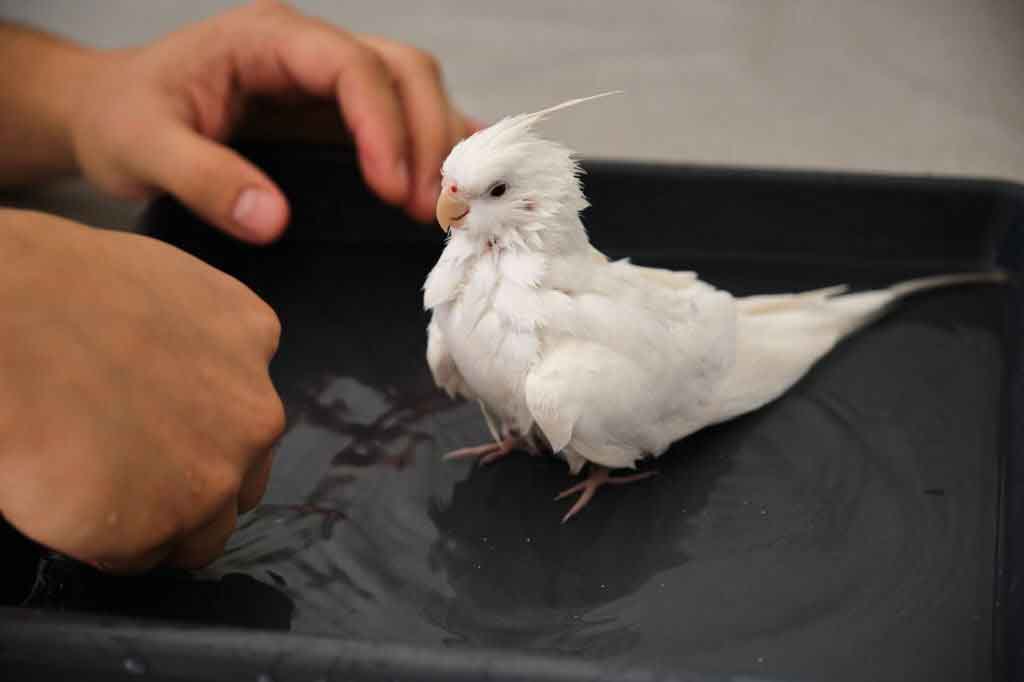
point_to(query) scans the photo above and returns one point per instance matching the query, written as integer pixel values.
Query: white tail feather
(859, 309)
(937, 281)
(780, 337)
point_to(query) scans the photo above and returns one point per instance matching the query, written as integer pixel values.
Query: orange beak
(451, 210)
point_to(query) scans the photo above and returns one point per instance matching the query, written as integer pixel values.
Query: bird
(601, 362)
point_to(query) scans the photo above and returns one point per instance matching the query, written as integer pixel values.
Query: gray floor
(910, 86)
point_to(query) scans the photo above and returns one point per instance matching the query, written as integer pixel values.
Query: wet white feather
(607, 361)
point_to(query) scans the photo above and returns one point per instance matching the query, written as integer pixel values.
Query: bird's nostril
(454, 188)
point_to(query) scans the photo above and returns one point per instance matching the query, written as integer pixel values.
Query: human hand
(152, 118)
(136, 410)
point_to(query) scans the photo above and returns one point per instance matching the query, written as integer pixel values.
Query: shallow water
(847, 531)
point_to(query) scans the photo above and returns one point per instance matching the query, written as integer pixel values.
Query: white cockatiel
(601, 362)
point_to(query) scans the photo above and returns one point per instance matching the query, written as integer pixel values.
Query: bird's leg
(598, 476)
(491, 452)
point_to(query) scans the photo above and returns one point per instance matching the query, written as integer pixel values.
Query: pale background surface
(908, 86)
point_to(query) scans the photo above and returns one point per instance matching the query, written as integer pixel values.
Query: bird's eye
(498, 189)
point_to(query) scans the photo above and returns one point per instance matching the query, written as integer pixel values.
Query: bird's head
(507, 184)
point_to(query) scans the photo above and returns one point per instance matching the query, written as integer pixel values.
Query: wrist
(73, 71)
(43, 81)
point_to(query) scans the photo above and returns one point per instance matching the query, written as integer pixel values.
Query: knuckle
(366, 59)
(268, 420)
(427, 62)
(229, 288)
(222, 484)
(261, 324)
(256, 482)
(268, 322)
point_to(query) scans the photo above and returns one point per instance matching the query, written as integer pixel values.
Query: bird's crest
(511, 143)
(524, 122)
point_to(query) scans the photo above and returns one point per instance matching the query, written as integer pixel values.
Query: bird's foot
(588, 488)
(491, 452)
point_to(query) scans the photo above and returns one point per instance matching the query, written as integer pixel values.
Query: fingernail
(259, 212)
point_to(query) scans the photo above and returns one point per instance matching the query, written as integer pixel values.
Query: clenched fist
(137, 415)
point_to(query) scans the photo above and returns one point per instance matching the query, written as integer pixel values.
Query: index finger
(290, 51)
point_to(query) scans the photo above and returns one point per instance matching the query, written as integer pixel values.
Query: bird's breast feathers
(490, 310)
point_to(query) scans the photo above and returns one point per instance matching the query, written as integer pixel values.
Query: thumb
(218, 184)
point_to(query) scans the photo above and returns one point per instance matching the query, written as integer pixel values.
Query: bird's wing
(442, 366)
(773, 303)
(582, 396)
(623, 376)
(595, 404)
(671, 279)
(643, 275)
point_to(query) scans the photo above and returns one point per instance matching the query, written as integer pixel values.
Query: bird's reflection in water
(521, 579)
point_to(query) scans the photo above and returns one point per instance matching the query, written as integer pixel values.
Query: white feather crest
(528, 120)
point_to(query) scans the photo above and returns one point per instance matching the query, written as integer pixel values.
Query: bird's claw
(588, 488)
(489, 453)
(470, 453)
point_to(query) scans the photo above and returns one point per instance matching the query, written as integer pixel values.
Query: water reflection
(521, 579)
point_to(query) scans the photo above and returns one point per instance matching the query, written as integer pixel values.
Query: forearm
(40, 81)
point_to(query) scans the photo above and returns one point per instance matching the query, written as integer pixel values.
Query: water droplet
(529, 539)
(764, 512)
(134, 666)
(760, 659)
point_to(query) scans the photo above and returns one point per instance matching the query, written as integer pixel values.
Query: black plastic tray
(866, 526)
